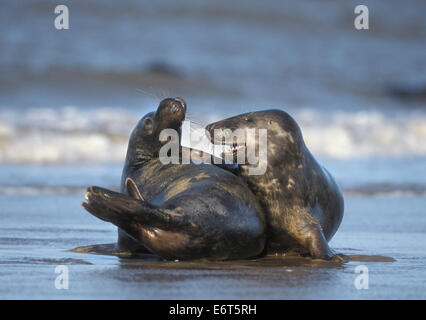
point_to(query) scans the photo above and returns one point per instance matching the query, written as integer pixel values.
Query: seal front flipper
(319, 248)
(105, 249)
(232, 167)
(306, 229)
(113, 250)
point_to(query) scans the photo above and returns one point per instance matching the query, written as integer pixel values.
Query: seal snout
(175, 106)
(170, 114)
(182, 103)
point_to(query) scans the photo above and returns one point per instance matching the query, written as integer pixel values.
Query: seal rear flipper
(132, 189)
(126, 212)
(126, 243)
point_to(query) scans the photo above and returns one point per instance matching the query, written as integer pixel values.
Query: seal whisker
(149, 94)
(195, 119)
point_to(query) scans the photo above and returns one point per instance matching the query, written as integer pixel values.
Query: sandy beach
(384, 233)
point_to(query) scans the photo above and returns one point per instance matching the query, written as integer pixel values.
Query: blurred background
(69, 98)
(73, 96)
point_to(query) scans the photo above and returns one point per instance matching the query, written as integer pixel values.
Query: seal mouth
(233, 149)
(227, 148)
(223, 140)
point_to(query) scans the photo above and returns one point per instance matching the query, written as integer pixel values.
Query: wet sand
(38, 231)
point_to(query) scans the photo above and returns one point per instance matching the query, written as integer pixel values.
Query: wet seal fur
(178, 211)
(303, 204)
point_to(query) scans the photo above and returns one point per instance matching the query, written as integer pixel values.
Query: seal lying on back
(178, 211)
(303, 204)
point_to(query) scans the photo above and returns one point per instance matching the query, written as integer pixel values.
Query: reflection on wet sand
(268, 261)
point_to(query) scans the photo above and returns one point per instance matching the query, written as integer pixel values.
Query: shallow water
(388, 235)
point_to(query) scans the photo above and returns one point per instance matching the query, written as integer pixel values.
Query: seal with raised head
(303, 204)
(178, 211)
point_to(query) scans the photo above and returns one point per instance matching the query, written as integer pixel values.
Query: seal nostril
(181, 102)
(174, 107)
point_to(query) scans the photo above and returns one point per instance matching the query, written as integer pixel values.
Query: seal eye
(147, 122)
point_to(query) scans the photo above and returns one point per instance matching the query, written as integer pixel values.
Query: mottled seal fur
(303, 204)
(178, 211)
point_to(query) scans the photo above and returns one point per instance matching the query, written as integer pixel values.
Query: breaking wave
(67, 135)
(364, 134)
(72, 135)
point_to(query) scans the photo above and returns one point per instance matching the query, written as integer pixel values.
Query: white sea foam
(71, 135)
(65, 135)
(364, 134)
